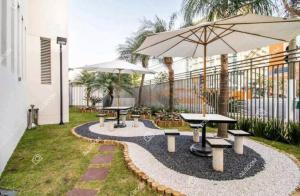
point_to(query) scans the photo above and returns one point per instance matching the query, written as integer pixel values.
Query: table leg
(203, 149)
(118, 117)
(204, 136)
(119, 125)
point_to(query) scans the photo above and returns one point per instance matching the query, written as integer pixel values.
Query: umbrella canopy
(230, 35)
(116, 67)
(119, 67)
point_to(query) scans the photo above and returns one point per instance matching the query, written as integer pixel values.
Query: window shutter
(45, 61)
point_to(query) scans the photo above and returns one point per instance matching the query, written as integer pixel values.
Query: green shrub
(293, 132)
(244, 124)
(259, 127)
(275, 130)
(155, 109)
(232, 126)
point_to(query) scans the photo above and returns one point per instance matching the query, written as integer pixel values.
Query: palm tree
(87, 79)
(217, 9)
(108, 82)
(127, 52)
(156, 26)
(291, 8)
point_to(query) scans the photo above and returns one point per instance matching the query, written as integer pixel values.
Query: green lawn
(49, 160)
(288, 148)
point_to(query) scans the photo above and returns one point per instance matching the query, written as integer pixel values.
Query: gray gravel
(184, 162)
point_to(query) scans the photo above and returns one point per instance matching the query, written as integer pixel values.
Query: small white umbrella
(118, 66)
(230, 35)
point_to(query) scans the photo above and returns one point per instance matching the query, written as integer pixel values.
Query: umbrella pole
(119, 75)
(204, 83)
(204, 76)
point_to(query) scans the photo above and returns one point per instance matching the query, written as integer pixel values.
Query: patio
(258, 168)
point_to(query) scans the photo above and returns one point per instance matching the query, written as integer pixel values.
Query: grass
(50, 160)
(119, 181)
(288, 148)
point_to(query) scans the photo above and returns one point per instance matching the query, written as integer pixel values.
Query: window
(45, 61)
(13, 38)
(18, 39)
(3, 31)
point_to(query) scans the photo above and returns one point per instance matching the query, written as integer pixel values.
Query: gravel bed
(279, 178)
(184, 162)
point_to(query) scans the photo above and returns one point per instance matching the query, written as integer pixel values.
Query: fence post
(251, 89)
(150, 92)
(191, 91)
(70, 94)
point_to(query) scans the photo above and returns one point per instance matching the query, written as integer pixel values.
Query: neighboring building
(29, 70)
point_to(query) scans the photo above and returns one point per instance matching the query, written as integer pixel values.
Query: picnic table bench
(171, 139)
(218, 145)
(239, 136)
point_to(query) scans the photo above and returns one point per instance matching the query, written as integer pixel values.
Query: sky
(97, 27)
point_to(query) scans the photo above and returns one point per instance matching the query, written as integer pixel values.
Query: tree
(161, 77)
(292, 7)
(108, 82)
(217, 9)
(127, 52)
(156, 26)
(87, 79)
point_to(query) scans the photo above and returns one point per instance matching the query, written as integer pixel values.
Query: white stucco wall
(49, 19)
(13, 100)
(20, 67)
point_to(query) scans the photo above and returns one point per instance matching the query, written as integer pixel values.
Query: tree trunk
(223, 96)
(145, 65)
(294, 12)
(111, 94)
(88, 94)
(141, 90)
(168, 61)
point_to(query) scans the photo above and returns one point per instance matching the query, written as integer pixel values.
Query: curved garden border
(159, 188)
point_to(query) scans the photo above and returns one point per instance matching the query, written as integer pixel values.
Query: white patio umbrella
(230, 35)
(118, 66)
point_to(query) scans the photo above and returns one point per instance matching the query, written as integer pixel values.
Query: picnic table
(118, 109)
(203, 149)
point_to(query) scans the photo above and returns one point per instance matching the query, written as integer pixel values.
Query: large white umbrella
(118, 66)
(230, 35)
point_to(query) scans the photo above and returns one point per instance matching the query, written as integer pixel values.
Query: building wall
(23, 23)
(47, 19)
(13, 100)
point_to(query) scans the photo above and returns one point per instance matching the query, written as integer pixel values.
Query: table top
(117, 108)
(198, 118)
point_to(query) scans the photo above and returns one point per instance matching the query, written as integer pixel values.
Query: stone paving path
(96, 171)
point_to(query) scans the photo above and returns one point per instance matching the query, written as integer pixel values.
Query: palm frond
(216, 9)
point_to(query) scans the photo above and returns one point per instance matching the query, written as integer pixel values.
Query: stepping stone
(101, 159)
(95, 174)
(82, 192)
(107, 148)
(6, 192)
